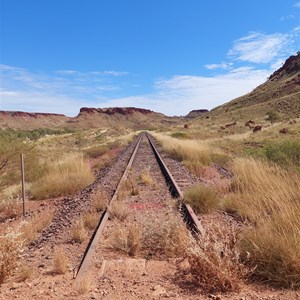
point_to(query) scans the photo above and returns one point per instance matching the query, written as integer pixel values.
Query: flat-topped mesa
(28, 115)
(291, 65)
(196, 113)
(114, 110)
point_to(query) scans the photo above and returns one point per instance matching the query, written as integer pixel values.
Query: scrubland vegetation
(57, 163)
(264, 196)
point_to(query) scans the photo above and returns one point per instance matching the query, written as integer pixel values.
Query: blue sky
(170, 56)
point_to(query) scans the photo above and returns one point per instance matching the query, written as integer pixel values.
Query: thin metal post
(23, 183)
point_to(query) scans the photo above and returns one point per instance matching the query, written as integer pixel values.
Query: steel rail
(92, 245)
(186, 210)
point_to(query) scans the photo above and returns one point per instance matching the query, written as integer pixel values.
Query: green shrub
(202, 198)
(179, 135)
(284, 153)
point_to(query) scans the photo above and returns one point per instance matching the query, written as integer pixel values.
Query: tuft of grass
(31, 229)
(91, 220)
(214, 262)
(169, 238)
(84, 285)
(99, 201)
(203, 199)
(25, 272)
(133, 240)
(10, 208)
(78, 232)
(97, 151)
(66, 175)
(126, 240)
(10, 249)
(60, 262)
(119, 210)
(269, 197)
(146, 177)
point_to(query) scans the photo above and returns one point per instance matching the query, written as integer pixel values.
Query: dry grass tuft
(91, 220)
(127, 240)
(60, 262)
(78, 232)
(214, 262)
(270, 198)
(10, 208)
(119, 210)
(84, 285)
(133, 240)
(25, 272)
(146, 177)
(64, 176)
(169, 238)
(99, 201)
(202, 198)
(31, 229)
(10, 248)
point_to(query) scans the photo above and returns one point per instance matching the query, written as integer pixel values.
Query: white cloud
(297, 4)
(288, 17)
(222, 65)
(180, 94)
(260, 48)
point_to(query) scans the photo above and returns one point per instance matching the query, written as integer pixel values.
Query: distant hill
(25, 120)
(280, 93)
(196, 113)
(117, 117)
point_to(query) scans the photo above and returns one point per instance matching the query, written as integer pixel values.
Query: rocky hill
(280, 93)
(25, 120)
(196, 113)
(117, 117)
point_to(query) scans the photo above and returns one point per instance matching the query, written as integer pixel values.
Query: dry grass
(186, 150)
(31, 229)
(119, 210)
(60, 262)
(91, 220)
(169, 238)
(270, 198)
(84, 285)
(10, 208)
(10, 248)
(214, 262)
(127, 240)
(202, 198)
(78, 232)
(99, 201)
(25, 272)
(146, 177)
(66, 175)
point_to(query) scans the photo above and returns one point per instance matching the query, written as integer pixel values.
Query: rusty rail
(187, 212)
(91, 248)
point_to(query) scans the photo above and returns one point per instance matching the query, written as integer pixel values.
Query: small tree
(272, 116)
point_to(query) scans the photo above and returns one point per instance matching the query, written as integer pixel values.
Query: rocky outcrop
(28, 115)
(114, 110)
(291, 65)
(196, 113)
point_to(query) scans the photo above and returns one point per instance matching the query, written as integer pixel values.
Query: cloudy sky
(170, 56)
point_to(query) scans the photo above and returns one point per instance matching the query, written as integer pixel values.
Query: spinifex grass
(66, 175)
(270, 198)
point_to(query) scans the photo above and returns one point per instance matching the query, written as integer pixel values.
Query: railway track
(147, 203)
